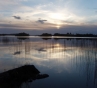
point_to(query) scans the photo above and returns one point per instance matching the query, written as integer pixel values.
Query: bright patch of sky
(48, 13)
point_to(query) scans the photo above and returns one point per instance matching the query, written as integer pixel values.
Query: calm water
(70, 63)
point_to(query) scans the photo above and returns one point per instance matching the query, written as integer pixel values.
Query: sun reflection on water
(64, 55)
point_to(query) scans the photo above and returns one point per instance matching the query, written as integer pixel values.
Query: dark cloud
(64, 29)
(17, 17)
(41, 21)
(8, 25)
(69, 21)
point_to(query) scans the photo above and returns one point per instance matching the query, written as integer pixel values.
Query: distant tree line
(15, 34)
(56, 34)
(46, 34)
(69, 34)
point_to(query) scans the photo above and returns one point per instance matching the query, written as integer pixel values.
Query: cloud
(41, 21)
(73, 29)
(17, 17)
(58, 13)
(69, 21)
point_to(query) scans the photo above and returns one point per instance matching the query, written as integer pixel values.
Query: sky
(51, 16)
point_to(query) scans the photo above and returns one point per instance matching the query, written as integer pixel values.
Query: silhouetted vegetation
(75, 35)
(70, 35)
(56, 34)
(22, 34)
(46, 34)
(15, 34)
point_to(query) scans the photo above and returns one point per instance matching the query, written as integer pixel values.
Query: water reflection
(72, 61)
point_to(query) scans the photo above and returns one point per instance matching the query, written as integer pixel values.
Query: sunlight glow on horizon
(55, 14)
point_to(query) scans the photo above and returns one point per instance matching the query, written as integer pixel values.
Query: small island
(22, 34)
(46, 34)
(16, 34)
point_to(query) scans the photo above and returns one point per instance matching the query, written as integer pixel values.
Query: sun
(57, 16)
(58, 27)
(57, 19)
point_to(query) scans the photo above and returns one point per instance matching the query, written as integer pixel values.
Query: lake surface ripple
(70, 63)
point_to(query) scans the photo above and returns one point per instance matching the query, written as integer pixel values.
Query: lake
(69, 62)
